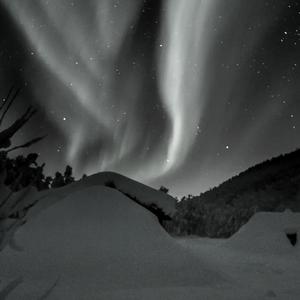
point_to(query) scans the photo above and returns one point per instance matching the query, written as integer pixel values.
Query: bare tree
(13, 205)
(8, 133)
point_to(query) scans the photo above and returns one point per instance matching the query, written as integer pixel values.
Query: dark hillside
(273, 185)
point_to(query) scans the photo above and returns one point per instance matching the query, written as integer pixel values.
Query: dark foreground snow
(92, 242)
(95, 241)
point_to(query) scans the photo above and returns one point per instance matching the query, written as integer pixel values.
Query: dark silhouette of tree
(68, 178)
(164, 189)
(270, 186)
(58, 180)
(20, 178)
(8, 133)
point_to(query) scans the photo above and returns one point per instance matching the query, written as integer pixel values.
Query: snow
(88, 241)
(141, 192)
(251, 275)
(96, 241)
(265, 233)
(13, 203)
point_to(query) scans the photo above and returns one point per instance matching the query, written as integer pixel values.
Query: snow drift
(143, 193)
(266, 233)
(92, 239)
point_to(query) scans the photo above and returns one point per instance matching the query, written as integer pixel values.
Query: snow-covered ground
(92, 242)
(125, 185)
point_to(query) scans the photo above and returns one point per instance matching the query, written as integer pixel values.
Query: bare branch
(28, 144)
(6, 99)
(9, 104)
(8, 133)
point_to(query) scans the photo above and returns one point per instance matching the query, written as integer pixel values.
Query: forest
(273, 185)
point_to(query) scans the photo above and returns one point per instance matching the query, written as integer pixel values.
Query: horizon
(164, 92)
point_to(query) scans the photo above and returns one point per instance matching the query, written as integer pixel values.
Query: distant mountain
(273, 185)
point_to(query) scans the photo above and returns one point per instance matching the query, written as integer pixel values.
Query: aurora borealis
(173, 92)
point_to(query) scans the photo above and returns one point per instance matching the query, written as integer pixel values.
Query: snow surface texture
(13, 204)
(266, 232)
(125, 185)
(94, 241)
(86, 241)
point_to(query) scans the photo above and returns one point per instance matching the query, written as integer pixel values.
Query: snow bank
(266, 232)
(95, 241)
(141, 192)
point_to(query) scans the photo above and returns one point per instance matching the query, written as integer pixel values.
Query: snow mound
(267, 232)
(143, 193)
(96, 240)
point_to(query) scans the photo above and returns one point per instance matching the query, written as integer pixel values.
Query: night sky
(182, 93)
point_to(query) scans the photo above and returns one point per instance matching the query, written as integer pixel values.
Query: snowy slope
(252, 275)
(88, 241)
(266, 233)
(143, 193)
(96, 242)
